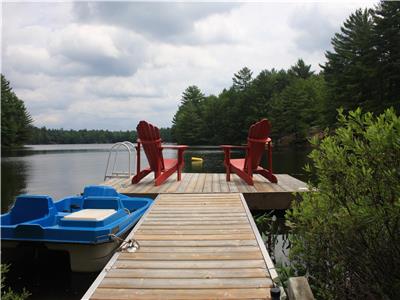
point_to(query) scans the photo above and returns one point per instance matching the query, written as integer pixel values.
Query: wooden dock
(263, 195)
(192, 246)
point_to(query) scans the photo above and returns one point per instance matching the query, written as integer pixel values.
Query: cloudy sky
(107, 65)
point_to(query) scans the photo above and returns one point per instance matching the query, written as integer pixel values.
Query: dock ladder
(115, 149)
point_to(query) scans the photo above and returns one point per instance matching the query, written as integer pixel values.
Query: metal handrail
(114, 148)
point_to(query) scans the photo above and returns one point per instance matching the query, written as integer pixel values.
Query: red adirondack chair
(149, 137)
(245, 167)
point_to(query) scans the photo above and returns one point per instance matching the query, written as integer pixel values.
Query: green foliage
(301, 70)
(364, 67)
(293, 101)
(346, 233)
(83, 136)
(15, 119)
(284, 273)
(387, 42)
(9, 294)
(298, 107)
(187, 124)
(242, 79)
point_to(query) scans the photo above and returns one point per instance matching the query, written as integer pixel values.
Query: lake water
(61, 170)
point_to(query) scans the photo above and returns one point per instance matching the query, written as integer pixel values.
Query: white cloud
(110, 64)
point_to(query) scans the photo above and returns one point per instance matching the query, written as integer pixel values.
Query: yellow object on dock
(192, 246)
(197, 159)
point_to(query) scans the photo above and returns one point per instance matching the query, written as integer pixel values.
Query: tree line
(84, 136)
(362, 70)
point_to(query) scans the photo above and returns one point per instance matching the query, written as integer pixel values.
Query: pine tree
(350, 70)
(301, 70)
(187, 123)
(15, 119)
(387, 40)
(242, 79)
(364, 68)
(193, 95)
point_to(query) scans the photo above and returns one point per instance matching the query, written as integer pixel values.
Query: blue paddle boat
(89, 227)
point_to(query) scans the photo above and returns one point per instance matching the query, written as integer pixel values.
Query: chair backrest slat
(149, 135)
(257, 138)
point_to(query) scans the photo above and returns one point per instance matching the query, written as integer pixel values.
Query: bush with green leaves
(346, 233)
(9, 294)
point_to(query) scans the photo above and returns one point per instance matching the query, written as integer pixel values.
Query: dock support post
(275, 293)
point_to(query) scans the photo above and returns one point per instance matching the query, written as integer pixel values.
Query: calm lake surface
(61, 170)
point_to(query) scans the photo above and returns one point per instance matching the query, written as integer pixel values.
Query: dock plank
(200, 183)
(243, 255)
(208, 264)
(180, 294)
(192, 246)
(188, 273)
(185, 283)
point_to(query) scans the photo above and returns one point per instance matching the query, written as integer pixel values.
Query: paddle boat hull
(89, 227)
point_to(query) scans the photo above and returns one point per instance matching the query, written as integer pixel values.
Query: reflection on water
(47, 276)
(61, 170)
(13, 181)
(275, 234)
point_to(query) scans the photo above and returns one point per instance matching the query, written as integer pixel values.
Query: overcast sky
(107, 65)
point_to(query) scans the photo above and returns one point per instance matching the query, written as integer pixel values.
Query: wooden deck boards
(208, 183)
(262, 195)
(192, 246)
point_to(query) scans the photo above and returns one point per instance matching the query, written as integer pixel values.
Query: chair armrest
(176, 147)
(231, 146)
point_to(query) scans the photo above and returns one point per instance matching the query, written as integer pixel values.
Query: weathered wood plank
(215, 214)
(200, 183)
(188, 273)
(244, 255)
(192, 183)
(193, 231)
(195, 222)
(199, 200)
(190, 209)
(195, 264)
(198, 204)
(181, 294)
(291, 184)
(192, 283)
(208, 183)
(257, 235)
(191, 227)
(197, 249)
(223, 183)
(161, 237)
(193, 243)
(163, 187)
(195, 218)
(216, 186)
(184, 182)
(189, 244)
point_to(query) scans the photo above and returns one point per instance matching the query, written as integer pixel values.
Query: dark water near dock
(61, 170)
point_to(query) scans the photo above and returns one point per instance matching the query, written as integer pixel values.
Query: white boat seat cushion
(90, 215)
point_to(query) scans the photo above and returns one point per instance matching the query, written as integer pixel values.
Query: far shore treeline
(83, 136)
(362, 70)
